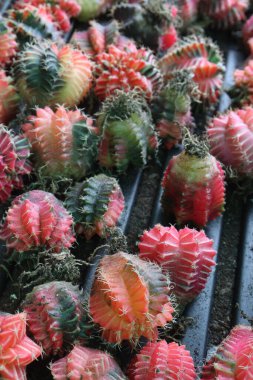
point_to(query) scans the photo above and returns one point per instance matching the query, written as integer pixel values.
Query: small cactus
(56, 316)
(47, 75)
(17, 350)
(64, 142)
(231, 139)
(37, 219)
(9, 98)
(127, 133)
(96, 205)
(130, 298)
(242, 91)
(14, 153)
(247, 33)
(186, 254)
(193, 185)
(233, 358)
(203, 59)
(166, 361)
(124, 70)
(93, 8)
(188, 10)
(86, 363)
(8, 43)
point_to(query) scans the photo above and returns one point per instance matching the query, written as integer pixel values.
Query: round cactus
(202, 58)
(96, 205)
(193, 185)
(127, 133)
(9, 98)
(130, 298)
(187, 255)
(233, 358)
(124, 70)
(8, 43)
(86, 363)
(64, 142)
(242, 91)
(37, 219)
(14, 163)
(17, 350)
(231, 139)
(56, 316)
(47, 75)
(93, 8)
(169, 360)
(224, 13)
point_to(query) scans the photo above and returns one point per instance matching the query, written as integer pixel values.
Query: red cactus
(123, 70)
(14, 163)
(56, 316)
(9, 99)
(130, 298)
(37, 219)
(168, 38)
(233, 358)
(17, 350)
(8, 44)
(243, 88)
(188, 10)
(187, 255)
(86, 363)
(170, 361)
(193, 186)
(231, 139)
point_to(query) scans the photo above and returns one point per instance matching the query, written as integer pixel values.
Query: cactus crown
(194, 146)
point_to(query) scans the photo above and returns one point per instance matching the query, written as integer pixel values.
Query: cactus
(193, 185)
(47, 75)
(96, 205)
(64, 142)
(93, 8)
(169, 360)
(127, 133)
(86, 363)
(124, 70)
(247, 33)
(17, 350)
(242, 91)
(188, 10)
(203, 59)
(9, 98)
(233, 358)
(8, 43)
(130, 298)
(56, 316)
(187, 255)
(14, 153)
(37, 219)
(231, 139)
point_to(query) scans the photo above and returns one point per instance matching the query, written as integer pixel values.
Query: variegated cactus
(8, 43)
(96, 205)
(130, 298)
(64, 142)
(48, 75)
(9, 98)
(127, 133)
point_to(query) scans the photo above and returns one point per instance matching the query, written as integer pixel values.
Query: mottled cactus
(242, 91)
(96, 205)
(37, 219)
(47, 75)
(187, 255)
(231, 139)
(203, 59)
(86, 363)
(9, 98)
(99, 37)
(193, 185)
(171, 108)
(8, 43)
(127, 133)
(14, 162)
(64, 142)
(93, 8)
(56, 316)
(224, 13)
(130, 298)
(124, 70)
(162, 360)
(233, 358)
(17, 350)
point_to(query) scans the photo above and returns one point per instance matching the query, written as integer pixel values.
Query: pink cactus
(37, 219)
(8, 44)
(9, 98)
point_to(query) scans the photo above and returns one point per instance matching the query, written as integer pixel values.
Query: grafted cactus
(8, 43)
(9, 98)
(242, 91)
(93, 8)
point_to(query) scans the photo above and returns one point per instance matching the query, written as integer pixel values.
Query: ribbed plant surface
(56, 316)
(8, 43)
(130, 298)
(9, 98)
(37, 219)
(242, 91)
